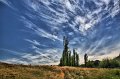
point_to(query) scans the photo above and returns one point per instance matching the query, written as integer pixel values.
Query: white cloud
(116, 9)
(96, 45)
(70, 33)
(108, 55)
(69, 5)
(6, 2)
(33, 42)
(15, 61)
(50, 56)
(106, 1)
(9, 4)
(39, 31)
(56, 17)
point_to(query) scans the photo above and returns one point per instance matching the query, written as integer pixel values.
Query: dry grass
(8, 71)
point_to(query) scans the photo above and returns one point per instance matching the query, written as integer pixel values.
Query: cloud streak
(92, 27)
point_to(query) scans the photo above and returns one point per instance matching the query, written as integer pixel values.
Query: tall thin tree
(85, 59)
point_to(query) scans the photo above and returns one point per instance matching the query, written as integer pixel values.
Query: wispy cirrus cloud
(89, 25)
(65, 10)
(43, 57)
(39, 31)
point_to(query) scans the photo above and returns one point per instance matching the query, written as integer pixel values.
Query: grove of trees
(67, 59)
(72, 59)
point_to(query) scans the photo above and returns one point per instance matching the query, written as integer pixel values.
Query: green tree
(67, 59)
(65, 56)
(74, 57)
(77, 59)
(109, 63)
(70, 58)
(90, 64)
(85, 59)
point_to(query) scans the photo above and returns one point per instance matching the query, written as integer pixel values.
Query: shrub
(109, 63)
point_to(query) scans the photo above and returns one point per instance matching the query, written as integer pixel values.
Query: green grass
(55, 72)
(92, 74)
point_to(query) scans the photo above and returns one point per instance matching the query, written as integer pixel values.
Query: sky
(31, 31)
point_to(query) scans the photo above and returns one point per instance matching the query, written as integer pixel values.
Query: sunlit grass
(56, 72)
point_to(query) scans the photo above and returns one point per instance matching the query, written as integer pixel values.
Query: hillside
(10, 71)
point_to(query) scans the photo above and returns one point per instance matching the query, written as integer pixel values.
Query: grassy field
(55, 72)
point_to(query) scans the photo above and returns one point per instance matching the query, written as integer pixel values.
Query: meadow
(11, 71)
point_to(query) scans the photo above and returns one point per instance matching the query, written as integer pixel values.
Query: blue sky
(31, 31)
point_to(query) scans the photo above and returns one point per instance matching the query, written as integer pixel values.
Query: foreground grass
(91, 73)
(55, 72)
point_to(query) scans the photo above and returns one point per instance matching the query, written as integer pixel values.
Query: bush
(109, 63)
(90, 64)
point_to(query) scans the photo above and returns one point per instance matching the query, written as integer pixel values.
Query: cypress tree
(77, 60)
(85, 59)
(74, 57)
(65, 51)
(67, 59)
(72, 60)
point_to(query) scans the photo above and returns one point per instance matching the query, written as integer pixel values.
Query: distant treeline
(105, 63)
(73, 60)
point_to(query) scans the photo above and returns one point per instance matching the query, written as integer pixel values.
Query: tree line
(72, 59)
(105, 63)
